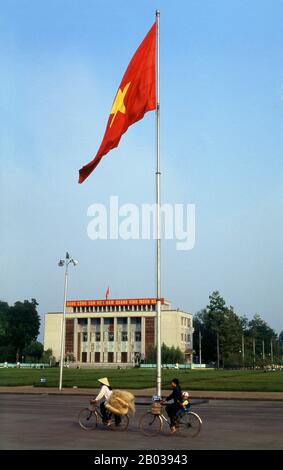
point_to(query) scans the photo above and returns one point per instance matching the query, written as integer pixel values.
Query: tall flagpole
(158, 251)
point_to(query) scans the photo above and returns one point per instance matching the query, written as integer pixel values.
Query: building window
(97, 337)
(84, 356)
(137, 336)
(124, 357)
(110, 336)
(97, 357)
(84, 336)
(124, 336)
(110, 357)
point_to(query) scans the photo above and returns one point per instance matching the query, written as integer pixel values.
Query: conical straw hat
(104, 381)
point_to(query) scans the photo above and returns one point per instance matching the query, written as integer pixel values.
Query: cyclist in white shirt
(104, 394)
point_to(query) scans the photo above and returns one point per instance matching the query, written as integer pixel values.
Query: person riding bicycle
(105, 394)
(174, 407)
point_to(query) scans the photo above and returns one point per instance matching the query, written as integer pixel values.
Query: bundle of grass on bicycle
(113, 410)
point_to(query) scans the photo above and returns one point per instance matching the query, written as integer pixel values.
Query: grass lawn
(241, 380)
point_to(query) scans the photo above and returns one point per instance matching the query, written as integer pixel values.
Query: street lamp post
(65, 263)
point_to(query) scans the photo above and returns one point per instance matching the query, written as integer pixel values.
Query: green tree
(4, 309)
(6, 350)
(168, 355)
(200, 328)
(47, 357)
(218, 322)
(262, 335)
(151, 355)
(23, 324)
(33, 352)
(214, 319)
(231, 339)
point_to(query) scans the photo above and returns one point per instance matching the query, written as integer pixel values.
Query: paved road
(50, 422)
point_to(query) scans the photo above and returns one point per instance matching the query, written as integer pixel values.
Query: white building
(117, 331)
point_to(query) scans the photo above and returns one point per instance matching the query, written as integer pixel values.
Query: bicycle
(187, 422)
(90, 417)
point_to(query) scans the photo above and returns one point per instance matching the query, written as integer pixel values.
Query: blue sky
(221, 149)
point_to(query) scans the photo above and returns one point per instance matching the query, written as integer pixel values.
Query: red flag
(136, 95)
(107, 293)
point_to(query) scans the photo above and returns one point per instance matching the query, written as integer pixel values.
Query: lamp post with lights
(64, 262)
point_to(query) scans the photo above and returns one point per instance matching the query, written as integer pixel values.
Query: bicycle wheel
(150, 425)
(87, 419)
(119, 425)
(189, 424)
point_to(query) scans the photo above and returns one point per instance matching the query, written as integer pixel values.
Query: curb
(197, 395)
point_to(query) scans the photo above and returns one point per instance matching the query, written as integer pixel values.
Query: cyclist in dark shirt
(172, 408)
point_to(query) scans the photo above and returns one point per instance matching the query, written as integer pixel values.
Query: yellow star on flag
(118, 104)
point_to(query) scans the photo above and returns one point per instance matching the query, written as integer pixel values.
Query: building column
(115, 348)
(88, 340)
(129, 350)
(75, 339)
(101, 339)
(143, 336)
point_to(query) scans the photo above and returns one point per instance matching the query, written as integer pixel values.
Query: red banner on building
(111, 303)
